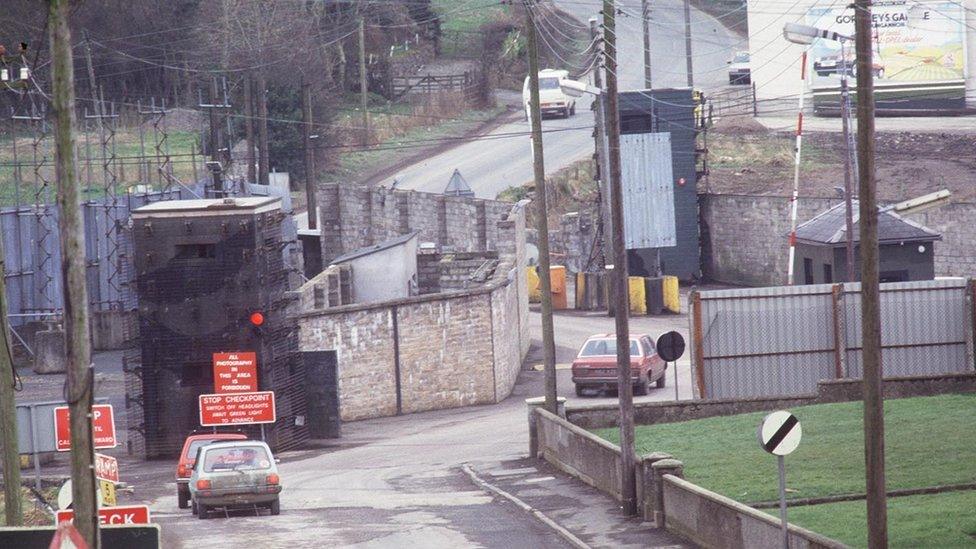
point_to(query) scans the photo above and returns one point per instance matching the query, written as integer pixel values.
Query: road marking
(513, 472)
(537, 479)
(541, 367)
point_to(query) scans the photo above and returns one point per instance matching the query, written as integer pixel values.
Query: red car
(187, 457)
(595, 366)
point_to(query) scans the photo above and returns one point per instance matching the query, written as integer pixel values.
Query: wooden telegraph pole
(625, 388)
(539, 169)
(311, 202)
(72, 232)
(363, 86)
(8, 414)
(870, 291)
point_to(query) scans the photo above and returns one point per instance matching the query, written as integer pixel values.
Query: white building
(924, 50)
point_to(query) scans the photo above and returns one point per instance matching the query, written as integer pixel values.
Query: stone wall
(427, 352)
(354, 217)
(454, 271)
(744, 237)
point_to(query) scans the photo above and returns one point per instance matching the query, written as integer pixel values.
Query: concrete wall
(385, 274)
(715, 521)
(745, 237)
(433, 351)
(597, 416)
(578, 452)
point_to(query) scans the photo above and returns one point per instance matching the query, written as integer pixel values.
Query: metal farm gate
(781, 341)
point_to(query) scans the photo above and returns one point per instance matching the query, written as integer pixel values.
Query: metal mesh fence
(781, 341)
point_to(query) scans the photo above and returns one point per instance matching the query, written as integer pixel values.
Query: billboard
(919, 60)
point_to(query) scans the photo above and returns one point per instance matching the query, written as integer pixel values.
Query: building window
(807, 270)
(828, 273)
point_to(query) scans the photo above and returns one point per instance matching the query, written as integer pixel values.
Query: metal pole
(539, 168)
(249, 130)
(264, 156)
(782, 501)
(870, 290)
(645, 16)
(691, 77)
(849, 165)
(675, 363)
(311, 204)
(796, 168)
(624, 384)
(599, 118)
(73, 274)
(363, 88)
(13, 511)
(34, 446)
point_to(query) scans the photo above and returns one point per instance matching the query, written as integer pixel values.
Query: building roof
(458, 186)
(385, 245)
(830, 228)
(211, 206)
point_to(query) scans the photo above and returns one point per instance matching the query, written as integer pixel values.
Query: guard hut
(212, 277)
(670, 111)
(906, 249)
(458, 186)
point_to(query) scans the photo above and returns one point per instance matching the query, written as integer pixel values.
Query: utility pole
(541, 194)
(849, 163)
(74, 280)
(691, 77)
(8, 415)
(264, 158)
(249, 130)
(625, 389)
(92, 87)
(874, 464)
(600, 136)
(312, 206)
(363, 87)
(645, 24)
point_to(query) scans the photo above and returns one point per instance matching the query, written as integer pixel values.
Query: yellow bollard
(672, 297)
(535, 291)
(638, 297)
(557, 279)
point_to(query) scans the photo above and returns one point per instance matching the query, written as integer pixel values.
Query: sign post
(779, 434)
(670, 347)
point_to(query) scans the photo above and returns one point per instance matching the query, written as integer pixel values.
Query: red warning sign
(103, 427)
(235, 372)
(107, 516)
(243, 408)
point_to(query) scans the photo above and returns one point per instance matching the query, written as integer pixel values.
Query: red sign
(235, 372)
(106, 468)
(103, 427)
(237, 409)
(107, 516)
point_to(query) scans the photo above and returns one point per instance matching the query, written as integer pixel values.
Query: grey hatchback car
(241, 474)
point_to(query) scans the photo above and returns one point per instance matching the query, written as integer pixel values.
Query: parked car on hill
(552, 98)
(187, 457)
(739, 71)
(240, 474)
(595, 367)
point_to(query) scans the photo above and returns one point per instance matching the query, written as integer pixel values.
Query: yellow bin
(637, 294)
(535, 291)
(672, 298)
(557, 280)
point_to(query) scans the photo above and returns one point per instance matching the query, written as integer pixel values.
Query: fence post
(755, 105)
(646, 495)
(840, 338)
(698, 345)
(661, 468)
(971, 322)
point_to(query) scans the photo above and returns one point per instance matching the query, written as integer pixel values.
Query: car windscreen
(741, 57)
(236, 458)
(548, 83)
(606, 347)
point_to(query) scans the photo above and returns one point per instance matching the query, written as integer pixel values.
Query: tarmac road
(397, 482)
(503, 158)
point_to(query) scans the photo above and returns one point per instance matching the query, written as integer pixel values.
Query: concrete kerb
(555, 526)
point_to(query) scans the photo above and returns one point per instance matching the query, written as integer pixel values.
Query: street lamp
(805, 35)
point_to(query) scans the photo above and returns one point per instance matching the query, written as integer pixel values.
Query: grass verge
(935, 520)
(926, 445)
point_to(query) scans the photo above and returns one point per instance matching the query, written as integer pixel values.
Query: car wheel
(193, 507)
(572, 110)
(661, 380)
(182, 499)
(202, 512)
(579, 390)
(275, 507)
(566, 112)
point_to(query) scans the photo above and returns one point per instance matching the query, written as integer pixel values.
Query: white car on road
(552, 100)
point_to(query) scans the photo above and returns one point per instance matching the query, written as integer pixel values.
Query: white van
(551, 97)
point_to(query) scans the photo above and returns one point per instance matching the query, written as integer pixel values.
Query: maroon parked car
(595, 366)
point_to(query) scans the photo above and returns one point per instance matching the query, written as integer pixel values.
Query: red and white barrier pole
(796, 169)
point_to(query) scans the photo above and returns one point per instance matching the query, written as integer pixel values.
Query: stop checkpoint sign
(237, 409)
(103, 427)
(780, 433)
(109, 516)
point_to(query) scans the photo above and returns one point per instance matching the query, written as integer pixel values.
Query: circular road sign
(64, 496)
(670, 346)
(780, 433)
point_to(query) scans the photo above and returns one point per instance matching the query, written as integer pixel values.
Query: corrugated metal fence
(782, 340)
(33, 254)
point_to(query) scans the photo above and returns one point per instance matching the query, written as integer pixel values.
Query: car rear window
(548, 83)
(191, 450)
(237, 458)
(606, 347)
